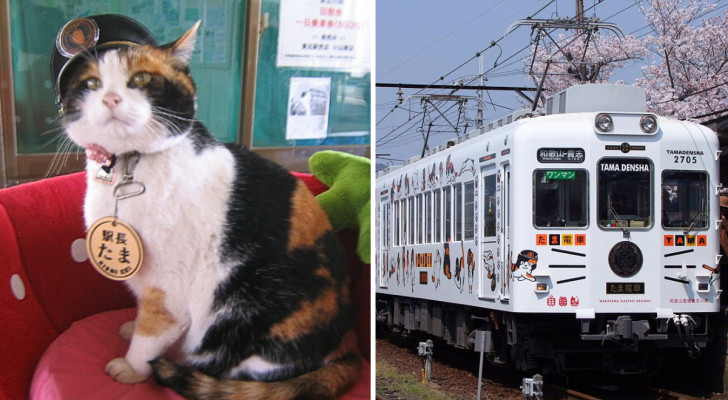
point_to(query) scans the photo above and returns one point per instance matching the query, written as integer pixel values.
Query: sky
(419, 41)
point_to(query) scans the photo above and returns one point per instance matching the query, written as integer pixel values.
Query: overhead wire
(450, 49)
(442, 77)
(462, 26)
(395, 138)
(494, 71)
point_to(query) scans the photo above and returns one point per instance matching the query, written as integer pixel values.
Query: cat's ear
(183, 47)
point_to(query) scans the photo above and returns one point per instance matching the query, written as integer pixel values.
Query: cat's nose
(111, 100)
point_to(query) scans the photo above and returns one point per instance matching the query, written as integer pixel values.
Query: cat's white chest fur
(181, 218)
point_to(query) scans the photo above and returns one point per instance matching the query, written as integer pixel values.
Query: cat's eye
(93, 83)
(141, 79)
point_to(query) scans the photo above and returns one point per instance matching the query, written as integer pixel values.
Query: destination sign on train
(607, 166)
(560, 175)
(560, 154)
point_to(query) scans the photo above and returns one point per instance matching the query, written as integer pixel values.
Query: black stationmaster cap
(92, 34)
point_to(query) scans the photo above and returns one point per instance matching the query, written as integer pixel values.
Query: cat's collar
(99, 154)
(104, 157)
(107, 161)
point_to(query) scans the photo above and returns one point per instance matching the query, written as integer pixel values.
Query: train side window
(405, 228)
(395, 232)
(488, 205)
(684, 199)
(428, 217)
(447, 216)
(560, 198)
(469, 211)
(382, 225)
(438, 215)
(624, 193)
(458, 217)
(420, 214)
(411, 212)
(387, 226)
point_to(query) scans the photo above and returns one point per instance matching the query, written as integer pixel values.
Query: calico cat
(243, 281)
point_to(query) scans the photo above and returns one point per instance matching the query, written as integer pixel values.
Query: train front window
(625, 193)
(560, 198)
(684, 200)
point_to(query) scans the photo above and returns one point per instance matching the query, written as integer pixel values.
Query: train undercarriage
(554, 343)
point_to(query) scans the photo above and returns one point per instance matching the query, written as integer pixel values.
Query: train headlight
(703, 283)
(542, 287)
(604, 122)
(648, 123)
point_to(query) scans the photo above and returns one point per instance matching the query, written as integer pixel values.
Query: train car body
(590, 228)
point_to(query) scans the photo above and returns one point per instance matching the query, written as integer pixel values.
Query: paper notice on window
(308, 108)
(329, 34)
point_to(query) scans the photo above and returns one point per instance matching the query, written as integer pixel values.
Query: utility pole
(579, 10)
(480, 92)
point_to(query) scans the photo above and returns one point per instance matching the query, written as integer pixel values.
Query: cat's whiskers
(61, 156)
(165, 123)
(63, 145)
(153, 127)
(168, 113)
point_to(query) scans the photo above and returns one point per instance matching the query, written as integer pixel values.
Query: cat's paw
(127, 330)
(120, 370)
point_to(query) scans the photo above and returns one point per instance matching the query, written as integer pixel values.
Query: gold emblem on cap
(77, 36)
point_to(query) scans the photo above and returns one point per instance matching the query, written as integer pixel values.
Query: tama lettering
(685, 240)
(685, 152)
(685, 156)
(113, 271)
(625, 167)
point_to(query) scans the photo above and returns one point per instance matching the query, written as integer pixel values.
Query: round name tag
(114, 248)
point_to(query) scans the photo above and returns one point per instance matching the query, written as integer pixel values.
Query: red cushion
(39, 222)
(47, 217)
(73, 365)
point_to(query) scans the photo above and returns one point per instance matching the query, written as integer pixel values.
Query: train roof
(593, 97)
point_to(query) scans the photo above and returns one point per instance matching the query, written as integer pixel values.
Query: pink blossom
(685, 59)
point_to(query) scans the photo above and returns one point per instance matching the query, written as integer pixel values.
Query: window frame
(706, 194)
(437, 213)
(649, 190)
(458, 212)
(567, 197)
(428, 217)
(469, 210)
(447, 213)
(489, 173)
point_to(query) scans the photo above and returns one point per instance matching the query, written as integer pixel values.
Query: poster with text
(327, 34)
(308, 108)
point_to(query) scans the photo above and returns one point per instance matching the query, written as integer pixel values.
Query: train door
(488, 287)
(504, 232)
(384, 241)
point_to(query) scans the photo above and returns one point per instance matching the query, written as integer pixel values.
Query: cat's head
(123, 95)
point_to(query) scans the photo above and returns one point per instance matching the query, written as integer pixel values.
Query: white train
(581, 236)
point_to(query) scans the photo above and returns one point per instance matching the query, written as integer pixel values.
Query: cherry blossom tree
(587, 56)
(685, 59)
(687, 77)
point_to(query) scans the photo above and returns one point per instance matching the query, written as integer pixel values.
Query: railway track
(464, 362)
(556, 392)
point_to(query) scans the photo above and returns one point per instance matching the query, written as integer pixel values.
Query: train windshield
(560, 198)
(684, 200)
(624, 190)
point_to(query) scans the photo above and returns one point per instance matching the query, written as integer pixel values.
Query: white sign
(328, 34)
(308, 108)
